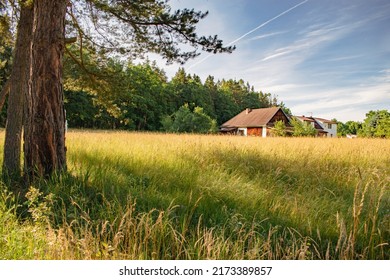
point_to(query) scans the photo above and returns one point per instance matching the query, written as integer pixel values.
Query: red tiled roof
(252, 118)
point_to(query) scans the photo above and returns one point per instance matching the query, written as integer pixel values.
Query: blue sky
(327, 58)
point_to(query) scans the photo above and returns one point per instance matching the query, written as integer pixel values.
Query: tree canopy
(134, 27)
(376, 124)
(187, 120)
(301, 128)
(126, 27)
(140, 96)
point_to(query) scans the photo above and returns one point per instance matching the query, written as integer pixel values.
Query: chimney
(248, 110)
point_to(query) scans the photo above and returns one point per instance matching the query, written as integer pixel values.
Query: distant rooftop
(252, 117)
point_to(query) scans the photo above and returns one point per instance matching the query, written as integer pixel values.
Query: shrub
(302, 129)
(279, 129)
(185, 120)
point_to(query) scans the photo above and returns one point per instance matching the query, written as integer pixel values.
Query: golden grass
(166, 196)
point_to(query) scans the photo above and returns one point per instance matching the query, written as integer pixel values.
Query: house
(328, 126)
(255, 122)
(325, 128)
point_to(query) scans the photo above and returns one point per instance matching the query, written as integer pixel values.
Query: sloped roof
(252, 118)
(307, 119)
(325, 120)
(317, 125)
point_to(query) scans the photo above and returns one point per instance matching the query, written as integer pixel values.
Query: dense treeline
(376, 124)
(105, 93)
(130, 96)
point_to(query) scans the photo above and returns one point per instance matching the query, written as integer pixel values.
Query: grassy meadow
(165, 196)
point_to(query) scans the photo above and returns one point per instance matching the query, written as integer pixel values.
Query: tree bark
(44, 145)
(4, 93)
(18, 88)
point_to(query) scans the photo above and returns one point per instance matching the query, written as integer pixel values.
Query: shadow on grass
(156, 187)
(160, 185)
(103, 188)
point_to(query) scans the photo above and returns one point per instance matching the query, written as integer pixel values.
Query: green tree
(189, 89)
(376, 124)
(302, 129)
(353, 127)
(341, 129)
(185, 120)
(224, 106)
(202, 123)
(149, 26)
(350, 127)
(144, 99)
(81, 112)
(279, 129)
(238, 90)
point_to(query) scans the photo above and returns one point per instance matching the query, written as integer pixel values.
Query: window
(329, 126)
(242, 131)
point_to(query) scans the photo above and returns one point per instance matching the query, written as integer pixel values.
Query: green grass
(161, 196)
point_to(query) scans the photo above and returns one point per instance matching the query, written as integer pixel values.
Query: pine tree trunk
(18, 88)
(44, 145)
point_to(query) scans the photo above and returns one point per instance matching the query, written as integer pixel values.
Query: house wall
(266, 132)
(258, 131)
(243, 131)
(332, 132)
(255, 131)
(322, 134)
(279, 116)
(331, 128)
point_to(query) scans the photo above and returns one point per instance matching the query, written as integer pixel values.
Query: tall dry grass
(161, 196)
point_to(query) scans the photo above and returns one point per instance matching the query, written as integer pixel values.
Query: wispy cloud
(343, 103)
(263, 36)
(308, 42)
(278, 53)
(344, 58)
(327, 57)
(251, 31)
(267, 22)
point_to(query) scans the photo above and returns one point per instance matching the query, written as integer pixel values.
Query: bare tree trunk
(3, 94)
(44, 145)
(18, 88)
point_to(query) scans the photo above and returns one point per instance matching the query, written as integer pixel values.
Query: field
(162, 196)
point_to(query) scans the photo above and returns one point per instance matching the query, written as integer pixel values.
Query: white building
(325, 128)
(328, 126)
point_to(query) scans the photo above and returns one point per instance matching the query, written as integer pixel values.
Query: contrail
(253, 30)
